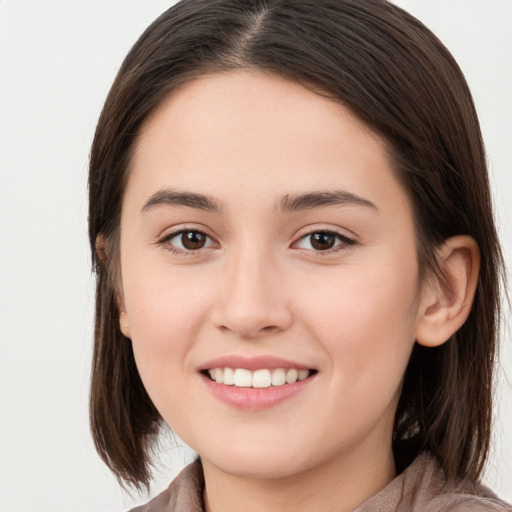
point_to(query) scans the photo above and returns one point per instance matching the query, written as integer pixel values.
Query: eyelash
(166, 241)
(344, 242)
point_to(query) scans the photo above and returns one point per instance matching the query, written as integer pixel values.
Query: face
(269, 276)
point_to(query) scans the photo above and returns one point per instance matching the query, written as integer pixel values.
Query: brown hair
(397, 77)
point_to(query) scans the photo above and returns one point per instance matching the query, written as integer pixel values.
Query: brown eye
(322, 241)
(188, 241)
(193, 240)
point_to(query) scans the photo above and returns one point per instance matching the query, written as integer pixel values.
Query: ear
(100, 246)
(445, 303)
(124, 321)
(124, 324)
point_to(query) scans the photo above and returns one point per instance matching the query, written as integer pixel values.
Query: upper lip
(252, 363)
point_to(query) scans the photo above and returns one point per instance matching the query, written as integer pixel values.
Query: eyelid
(165, 238)
(346, 241)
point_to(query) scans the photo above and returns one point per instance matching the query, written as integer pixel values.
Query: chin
(255, 462)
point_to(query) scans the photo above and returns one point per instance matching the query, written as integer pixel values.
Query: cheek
(363, 319)
(165, 325)
(166, 313)
(163, 302)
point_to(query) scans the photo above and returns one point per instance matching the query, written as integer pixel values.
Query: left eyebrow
(310, 200)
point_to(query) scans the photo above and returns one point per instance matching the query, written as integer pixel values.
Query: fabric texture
(422, 487)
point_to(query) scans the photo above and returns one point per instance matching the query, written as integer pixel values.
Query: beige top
(422, 487)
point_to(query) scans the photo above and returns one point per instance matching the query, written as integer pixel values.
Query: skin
(259, 287)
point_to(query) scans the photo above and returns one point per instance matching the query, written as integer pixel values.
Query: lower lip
(255, 398)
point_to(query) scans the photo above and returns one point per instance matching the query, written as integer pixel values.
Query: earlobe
(124, 324)
(100, 246)
(124, 321)
(446, 302)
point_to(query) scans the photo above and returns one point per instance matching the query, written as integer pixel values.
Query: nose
(252, 299)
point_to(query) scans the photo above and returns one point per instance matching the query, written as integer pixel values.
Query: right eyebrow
(182, 198)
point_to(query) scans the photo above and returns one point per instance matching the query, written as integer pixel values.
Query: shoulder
(423, 487)
(465, 503)
(462, 500)
(184, 494)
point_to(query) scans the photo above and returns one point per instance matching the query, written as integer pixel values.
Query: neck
(341, 485)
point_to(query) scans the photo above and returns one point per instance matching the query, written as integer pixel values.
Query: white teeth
(219, 375)
(303, 374)
(263, 378)
(243, 378)
(278, 377)
(229, 376)
(291, 376)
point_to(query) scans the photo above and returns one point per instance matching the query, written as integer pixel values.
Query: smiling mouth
(262, 378)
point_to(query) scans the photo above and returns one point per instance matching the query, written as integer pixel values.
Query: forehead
(228, 100)
(252, 129)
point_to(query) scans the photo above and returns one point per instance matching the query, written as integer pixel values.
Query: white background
(57, 61)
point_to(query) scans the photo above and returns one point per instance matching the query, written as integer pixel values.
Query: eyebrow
(287, 204)
(311, 200)
(177, 198)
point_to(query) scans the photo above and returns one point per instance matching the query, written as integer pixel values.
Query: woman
(298, 269)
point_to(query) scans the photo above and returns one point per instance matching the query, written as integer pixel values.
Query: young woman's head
(295, 189)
